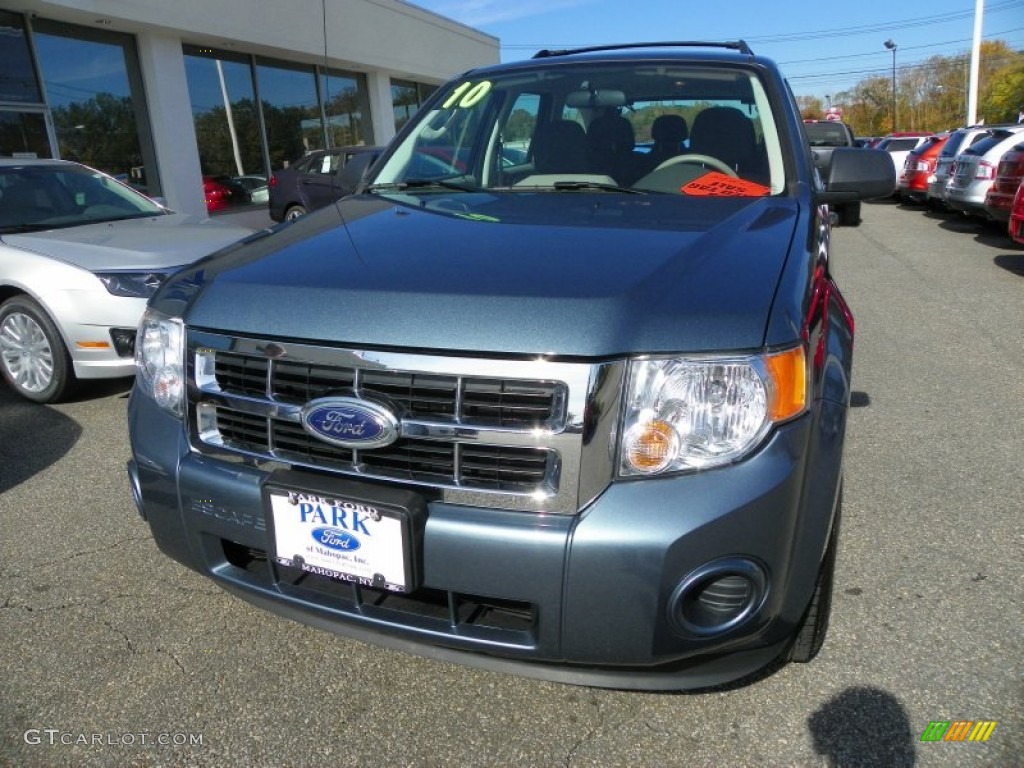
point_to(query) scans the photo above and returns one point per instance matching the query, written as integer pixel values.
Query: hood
(155, 242)
(548, 273)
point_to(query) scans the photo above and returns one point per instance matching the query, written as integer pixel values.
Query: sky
(823, 48)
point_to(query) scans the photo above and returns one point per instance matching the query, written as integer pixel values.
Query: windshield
(669, 128)
(826, 135)
(989, 141)
(51, 195)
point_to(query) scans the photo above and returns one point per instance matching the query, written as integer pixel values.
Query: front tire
(811, 635)
(33, 358)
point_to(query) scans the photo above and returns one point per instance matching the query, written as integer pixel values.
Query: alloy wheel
(26, 352)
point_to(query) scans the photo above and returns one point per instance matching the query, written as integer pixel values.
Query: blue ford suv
(561, 390)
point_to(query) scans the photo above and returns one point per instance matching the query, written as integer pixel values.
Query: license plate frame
(345, 530)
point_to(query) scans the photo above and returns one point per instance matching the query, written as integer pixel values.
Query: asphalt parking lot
(111, 654)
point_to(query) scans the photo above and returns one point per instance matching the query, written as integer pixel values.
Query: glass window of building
(347, 107)
(291, 111)
(94, 90)
(227, 123)
(18, 80)
(23, 129)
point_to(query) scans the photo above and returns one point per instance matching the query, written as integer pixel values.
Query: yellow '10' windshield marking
(468, 95)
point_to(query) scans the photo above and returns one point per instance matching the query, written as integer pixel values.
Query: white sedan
(80, 254)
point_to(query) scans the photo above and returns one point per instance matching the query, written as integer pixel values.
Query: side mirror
(356, 170)
(858, 174)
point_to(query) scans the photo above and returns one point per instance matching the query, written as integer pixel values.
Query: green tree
(1002, 97)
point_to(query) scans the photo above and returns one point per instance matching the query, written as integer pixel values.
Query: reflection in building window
(23, 134)
(405, 101)
(227, 124)
(406, 97)
(347, 106)
(17, 78)
(94, 90)
(291, 111)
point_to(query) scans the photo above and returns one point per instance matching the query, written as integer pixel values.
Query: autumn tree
(811, 107)
(932, 95)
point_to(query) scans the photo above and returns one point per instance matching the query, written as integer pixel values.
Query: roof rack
(735, 45)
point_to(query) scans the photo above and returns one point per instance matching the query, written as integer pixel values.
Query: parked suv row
(976, 171)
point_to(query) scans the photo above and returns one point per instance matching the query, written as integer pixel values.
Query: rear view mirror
(602, 97)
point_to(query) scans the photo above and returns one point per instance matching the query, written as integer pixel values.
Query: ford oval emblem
(350, 422)
(335, 538)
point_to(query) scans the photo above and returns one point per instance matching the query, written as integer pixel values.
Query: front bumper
(98, 329)
(598, 598)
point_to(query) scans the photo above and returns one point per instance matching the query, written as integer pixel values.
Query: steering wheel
(708, 160)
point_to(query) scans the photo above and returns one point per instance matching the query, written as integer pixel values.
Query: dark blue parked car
(574, 411)
(316, 180)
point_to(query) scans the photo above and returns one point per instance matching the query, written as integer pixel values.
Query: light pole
(892, 47)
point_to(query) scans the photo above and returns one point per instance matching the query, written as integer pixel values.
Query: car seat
(727, 134)
(559, 147)
(610, 143)
(669, 132)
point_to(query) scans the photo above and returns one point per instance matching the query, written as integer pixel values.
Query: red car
(222, 193)
(1000, 196)
(1017, 216)
(918, 168)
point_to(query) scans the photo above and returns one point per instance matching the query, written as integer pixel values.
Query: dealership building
(165, 95)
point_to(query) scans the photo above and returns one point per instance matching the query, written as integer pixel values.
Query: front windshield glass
(622, 127)
(47, 196)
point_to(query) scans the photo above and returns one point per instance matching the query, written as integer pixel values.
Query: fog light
(718, 597)
(124, 341)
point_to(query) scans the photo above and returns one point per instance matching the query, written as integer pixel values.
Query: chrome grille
(501, 433)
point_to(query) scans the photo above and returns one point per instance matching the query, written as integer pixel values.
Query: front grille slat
(242, 374)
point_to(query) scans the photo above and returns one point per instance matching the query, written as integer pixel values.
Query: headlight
(689, 413)
(139, 285)
(160, 359)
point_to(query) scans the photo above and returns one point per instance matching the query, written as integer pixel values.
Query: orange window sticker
(715, 184)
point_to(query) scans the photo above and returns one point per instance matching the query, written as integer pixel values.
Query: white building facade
(169, 95)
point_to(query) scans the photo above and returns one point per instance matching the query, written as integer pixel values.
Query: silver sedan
(80, 254)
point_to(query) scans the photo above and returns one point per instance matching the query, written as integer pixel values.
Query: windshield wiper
(422, 184)
(573, 186)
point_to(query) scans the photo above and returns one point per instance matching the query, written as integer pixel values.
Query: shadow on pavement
(32, 437)
(859, 399)
(99, 388)
(1011, 262)
(863, 728)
